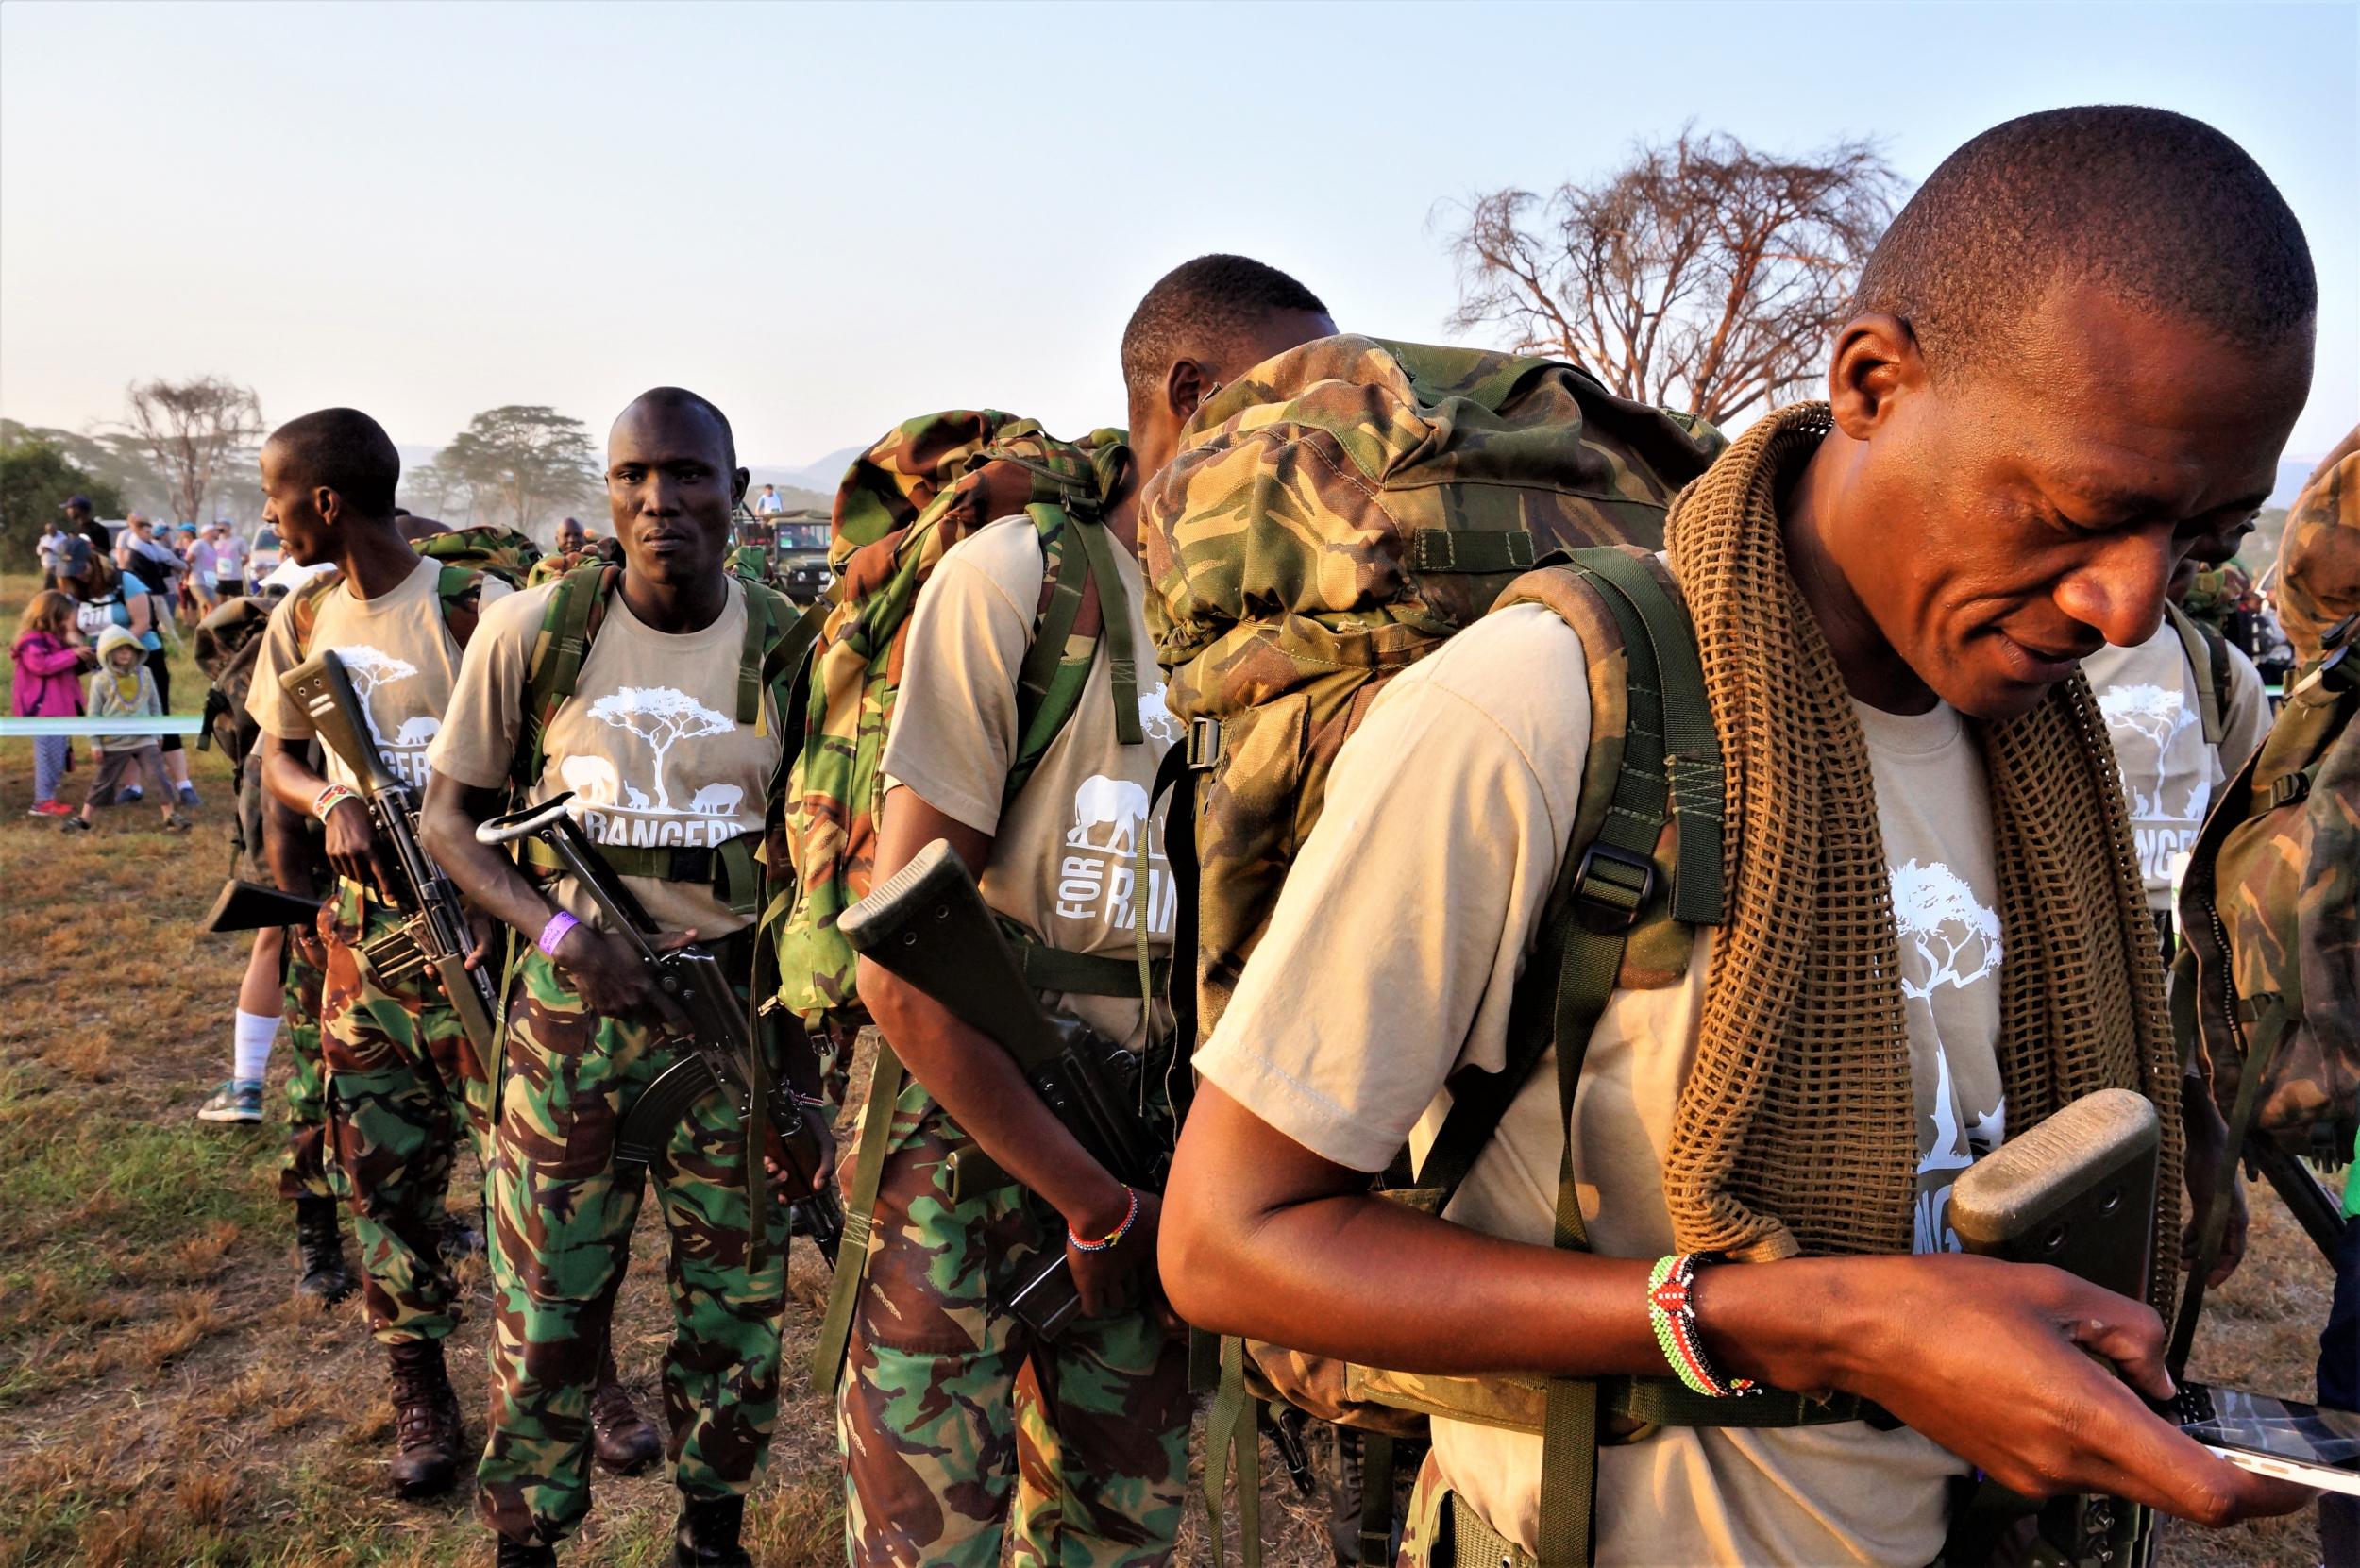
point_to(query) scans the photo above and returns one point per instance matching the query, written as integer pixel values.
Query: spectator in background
(141, 554)
(122, 687)
(229, 556)
(767, 504)
(103, 598)
(48, 662)
(47, 549)
(205, 569)
(74, 553)
(78, 520)
(571, 536)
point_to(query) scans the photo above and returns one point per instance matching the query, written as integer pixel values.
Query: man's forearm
(284, 849)
(980, 1084)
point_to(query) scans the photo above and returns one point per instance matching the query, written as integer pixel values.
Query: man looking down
(2073, 361)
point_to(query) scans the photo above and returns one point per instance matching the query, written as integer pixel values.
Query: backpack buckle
(1204, 744)
(2287, 788)
(1610, 888)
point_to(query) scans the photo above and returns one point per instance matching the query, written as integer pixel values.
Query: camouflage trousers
(955, 1425)
(303, 1168)
(561, 1216)
(404, 1086)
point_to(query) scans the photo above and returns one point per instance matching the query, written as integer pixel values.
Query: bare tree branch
(193, 429)
(1701, 274)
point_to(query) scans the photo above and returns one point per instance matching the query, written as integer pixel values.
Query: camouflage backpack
(923, 487)
(465, 554)
(1333, 517)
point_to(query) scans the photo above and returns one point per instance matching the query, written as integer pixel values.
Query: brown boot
(625, 1442)
(427, 1434)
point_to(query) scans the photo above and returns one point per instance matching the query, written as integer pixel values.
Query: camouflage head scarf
(2319, 565)
(1797, 1127)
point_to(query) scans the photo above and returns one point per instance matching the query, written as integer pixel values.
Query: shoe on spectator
(188, 796)
(237, 1100)
(74, 824)
(130, 795)
(179, 821)
(51, 808)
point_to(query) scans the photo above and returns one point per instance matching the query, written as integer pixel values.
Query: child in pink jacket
(47, 685)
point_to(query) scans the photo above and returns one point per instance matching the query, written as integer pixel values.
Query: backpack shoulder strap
(570, 621)
(1076, 609)
(303, 608)
(2208, 661)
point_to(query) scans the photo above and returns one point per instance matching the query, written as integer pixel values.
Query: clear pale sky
(831, 218)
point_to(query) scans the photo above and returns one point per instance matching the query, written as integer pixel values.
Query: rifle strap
(1232, 1433)
(851, 1260)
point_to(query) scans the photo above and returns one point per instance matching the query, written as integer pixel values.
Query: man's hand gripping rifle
(929, 925)
(702, 1013)
(434, 931)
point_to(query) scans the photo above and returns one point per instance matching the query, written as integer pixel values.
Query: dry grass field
(163, 1399)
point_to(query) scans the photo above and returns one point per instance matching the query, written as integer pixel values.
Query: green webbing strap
(551, 681)
(1047, 969)
(860, 1214)
(1231, 1433)
(2275, 1021)
(1470, 553)
(1114, 613)
(1377, 1457)
(728, 868)
(1042, 705)
(1699, 785)
(2201, 651)
(749, 657)
(1612, 881)
(1476, 1544)
(1665, 1401)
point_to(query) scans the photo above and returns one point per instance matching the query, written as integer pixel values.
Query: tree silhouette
(661, 716)
(2153, 714)
(369, 669)
(191, 429)
(1932, 907)
(528, 456)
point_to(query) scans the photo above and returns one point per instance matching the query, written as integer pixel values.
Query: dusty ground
(164, 1401)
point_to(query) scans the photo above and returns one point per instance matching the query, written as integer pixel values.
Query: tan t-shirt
(399, 650)
(1383, 974)
(2169, 776)
(650, 741)
(1064, 855)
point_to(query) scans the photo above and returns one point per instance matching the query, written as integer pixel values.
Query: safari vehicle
(796, 546)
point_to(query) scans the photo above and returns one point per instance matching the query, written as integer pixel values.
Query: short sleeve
(477, 740)
(266, 702)
(1393, 953)
(953, 735)
(2246, 716)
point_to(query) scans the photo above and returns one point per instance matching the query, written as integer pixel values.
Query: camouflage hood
(2319, 564)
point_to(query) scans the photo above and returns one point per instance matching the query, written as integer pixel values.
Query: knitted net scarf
(1796, 1128)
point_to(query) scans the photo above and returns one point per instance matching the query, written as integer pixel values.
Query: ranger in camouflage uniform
(956, 1420)
(673, 790)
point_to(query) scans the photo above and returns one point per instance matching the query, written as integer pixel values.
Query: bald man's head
(1203, 324)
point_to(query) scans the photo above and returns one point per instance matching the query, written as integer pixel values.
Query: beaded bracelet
(1114, 1237)
(329, 798)
(1671, 1313)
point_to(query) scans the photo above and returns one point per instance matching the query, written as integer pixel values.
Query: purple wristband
(554, 932)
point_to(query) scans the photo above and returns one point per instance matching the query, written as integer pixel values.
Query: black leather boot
(624, 1441)
(320, 1250)
(521, 1553)
(427, 1435)
(707, 1535)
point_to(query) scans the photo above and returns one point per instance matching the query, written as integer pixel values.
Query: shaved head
(339, 450)
(2156, 211)
(679, 400)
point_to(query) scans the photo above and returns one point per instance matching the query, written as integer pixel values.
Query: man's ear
(1185, 385)
(330, 505)
(737, 486)
(1876, 360)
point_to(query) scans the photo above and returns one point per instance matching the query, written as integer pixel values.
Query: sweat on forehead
(673, 399)
(2159, 212)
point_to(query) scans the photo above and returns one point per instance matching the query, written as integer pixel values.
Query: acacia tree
(527, 455)
(662, 717)
(1702, 275)
(193, 429)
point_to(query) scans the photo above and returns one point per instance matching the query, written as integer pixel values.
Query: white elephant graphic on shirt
(592, 778)
(1100, 801)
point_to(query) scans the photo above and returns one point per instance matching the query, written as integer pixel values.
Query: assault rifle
(929, 925)
(436, 933)
(703, 1013)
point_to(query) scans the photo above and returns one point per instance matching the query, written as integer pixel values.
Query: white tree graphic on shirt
(1936, 917)
(2141, 717)
(663, 717)
(369, 669)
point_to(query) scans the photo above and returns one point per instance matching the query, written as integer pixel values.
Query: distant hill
(822, 476)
